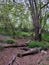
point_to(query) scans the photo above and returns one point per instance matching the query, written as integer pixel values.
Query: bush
(1, 48)
(45, 37)
(10, 41)
(23, 34)
(34, 44)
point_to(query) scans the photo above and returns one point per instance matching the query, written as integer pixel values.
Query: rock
(43, 52)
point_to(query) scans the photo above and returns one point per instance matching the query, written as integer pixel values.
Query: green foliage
(17, 15)
(44, 64)
(5, 32)
(22, 34)
(47, 15)
(12, 13)
(1, 48)
(47, 58)
(34, 44)
(2, 41)
(45, 37)
(10, 41)
(25, 34)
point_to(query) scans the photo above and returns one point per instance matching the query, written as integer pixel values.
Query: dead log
(12, 45)
(25, 48)
(29, 52)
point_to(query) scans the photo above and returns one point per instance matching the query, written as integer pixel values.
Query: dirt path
(37, 59)
(4, 37)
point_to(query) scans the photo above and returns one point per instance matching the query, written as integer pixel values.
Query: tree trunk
(37, 34)
(36, 20)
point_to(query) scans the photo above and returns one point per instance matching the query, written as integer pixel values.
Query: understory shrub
(10, 41)
(45, 37)
(33, 44)
(1, 48)
(22, 34)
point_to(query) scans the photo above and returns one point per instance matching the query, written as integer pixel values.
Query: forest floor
(7, 54)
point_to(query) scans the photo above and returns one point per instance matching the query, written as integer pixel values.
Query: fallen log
(25, 48)
(29, 52)
(12, 45)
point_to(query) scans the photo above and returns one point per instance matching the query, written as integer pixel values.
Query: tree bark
(36, 20)
(37, 34)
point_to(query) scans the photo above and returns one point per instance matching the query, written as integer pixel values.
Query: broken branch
(45, 5)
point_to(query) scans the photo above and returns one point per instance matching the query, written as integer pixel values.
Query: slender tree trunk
(37, 28)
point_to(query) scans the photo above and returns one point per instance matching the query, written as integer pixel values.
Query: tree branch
(45, 5)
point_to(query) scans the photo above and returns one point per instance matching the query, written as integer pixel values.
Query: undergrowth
(1, 48)
(22, 34)
(18, 33)
(45, 37)
(33, 44)
(44, 64)
(9, 41)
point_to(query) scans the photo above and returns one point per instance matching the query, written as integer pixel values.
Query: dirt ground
(37, 59)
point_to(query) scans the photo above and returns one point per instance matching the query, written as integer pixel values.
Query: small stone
(43, 52)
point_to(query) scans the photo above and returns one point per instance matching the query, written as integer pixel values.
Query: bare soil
(36, 59)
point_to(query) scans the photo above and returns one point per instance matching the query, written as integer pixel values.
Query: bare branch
(45, 5)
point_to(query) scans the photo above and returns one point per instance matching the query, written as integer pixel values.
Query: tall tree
(36, 19)
(36, 16)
